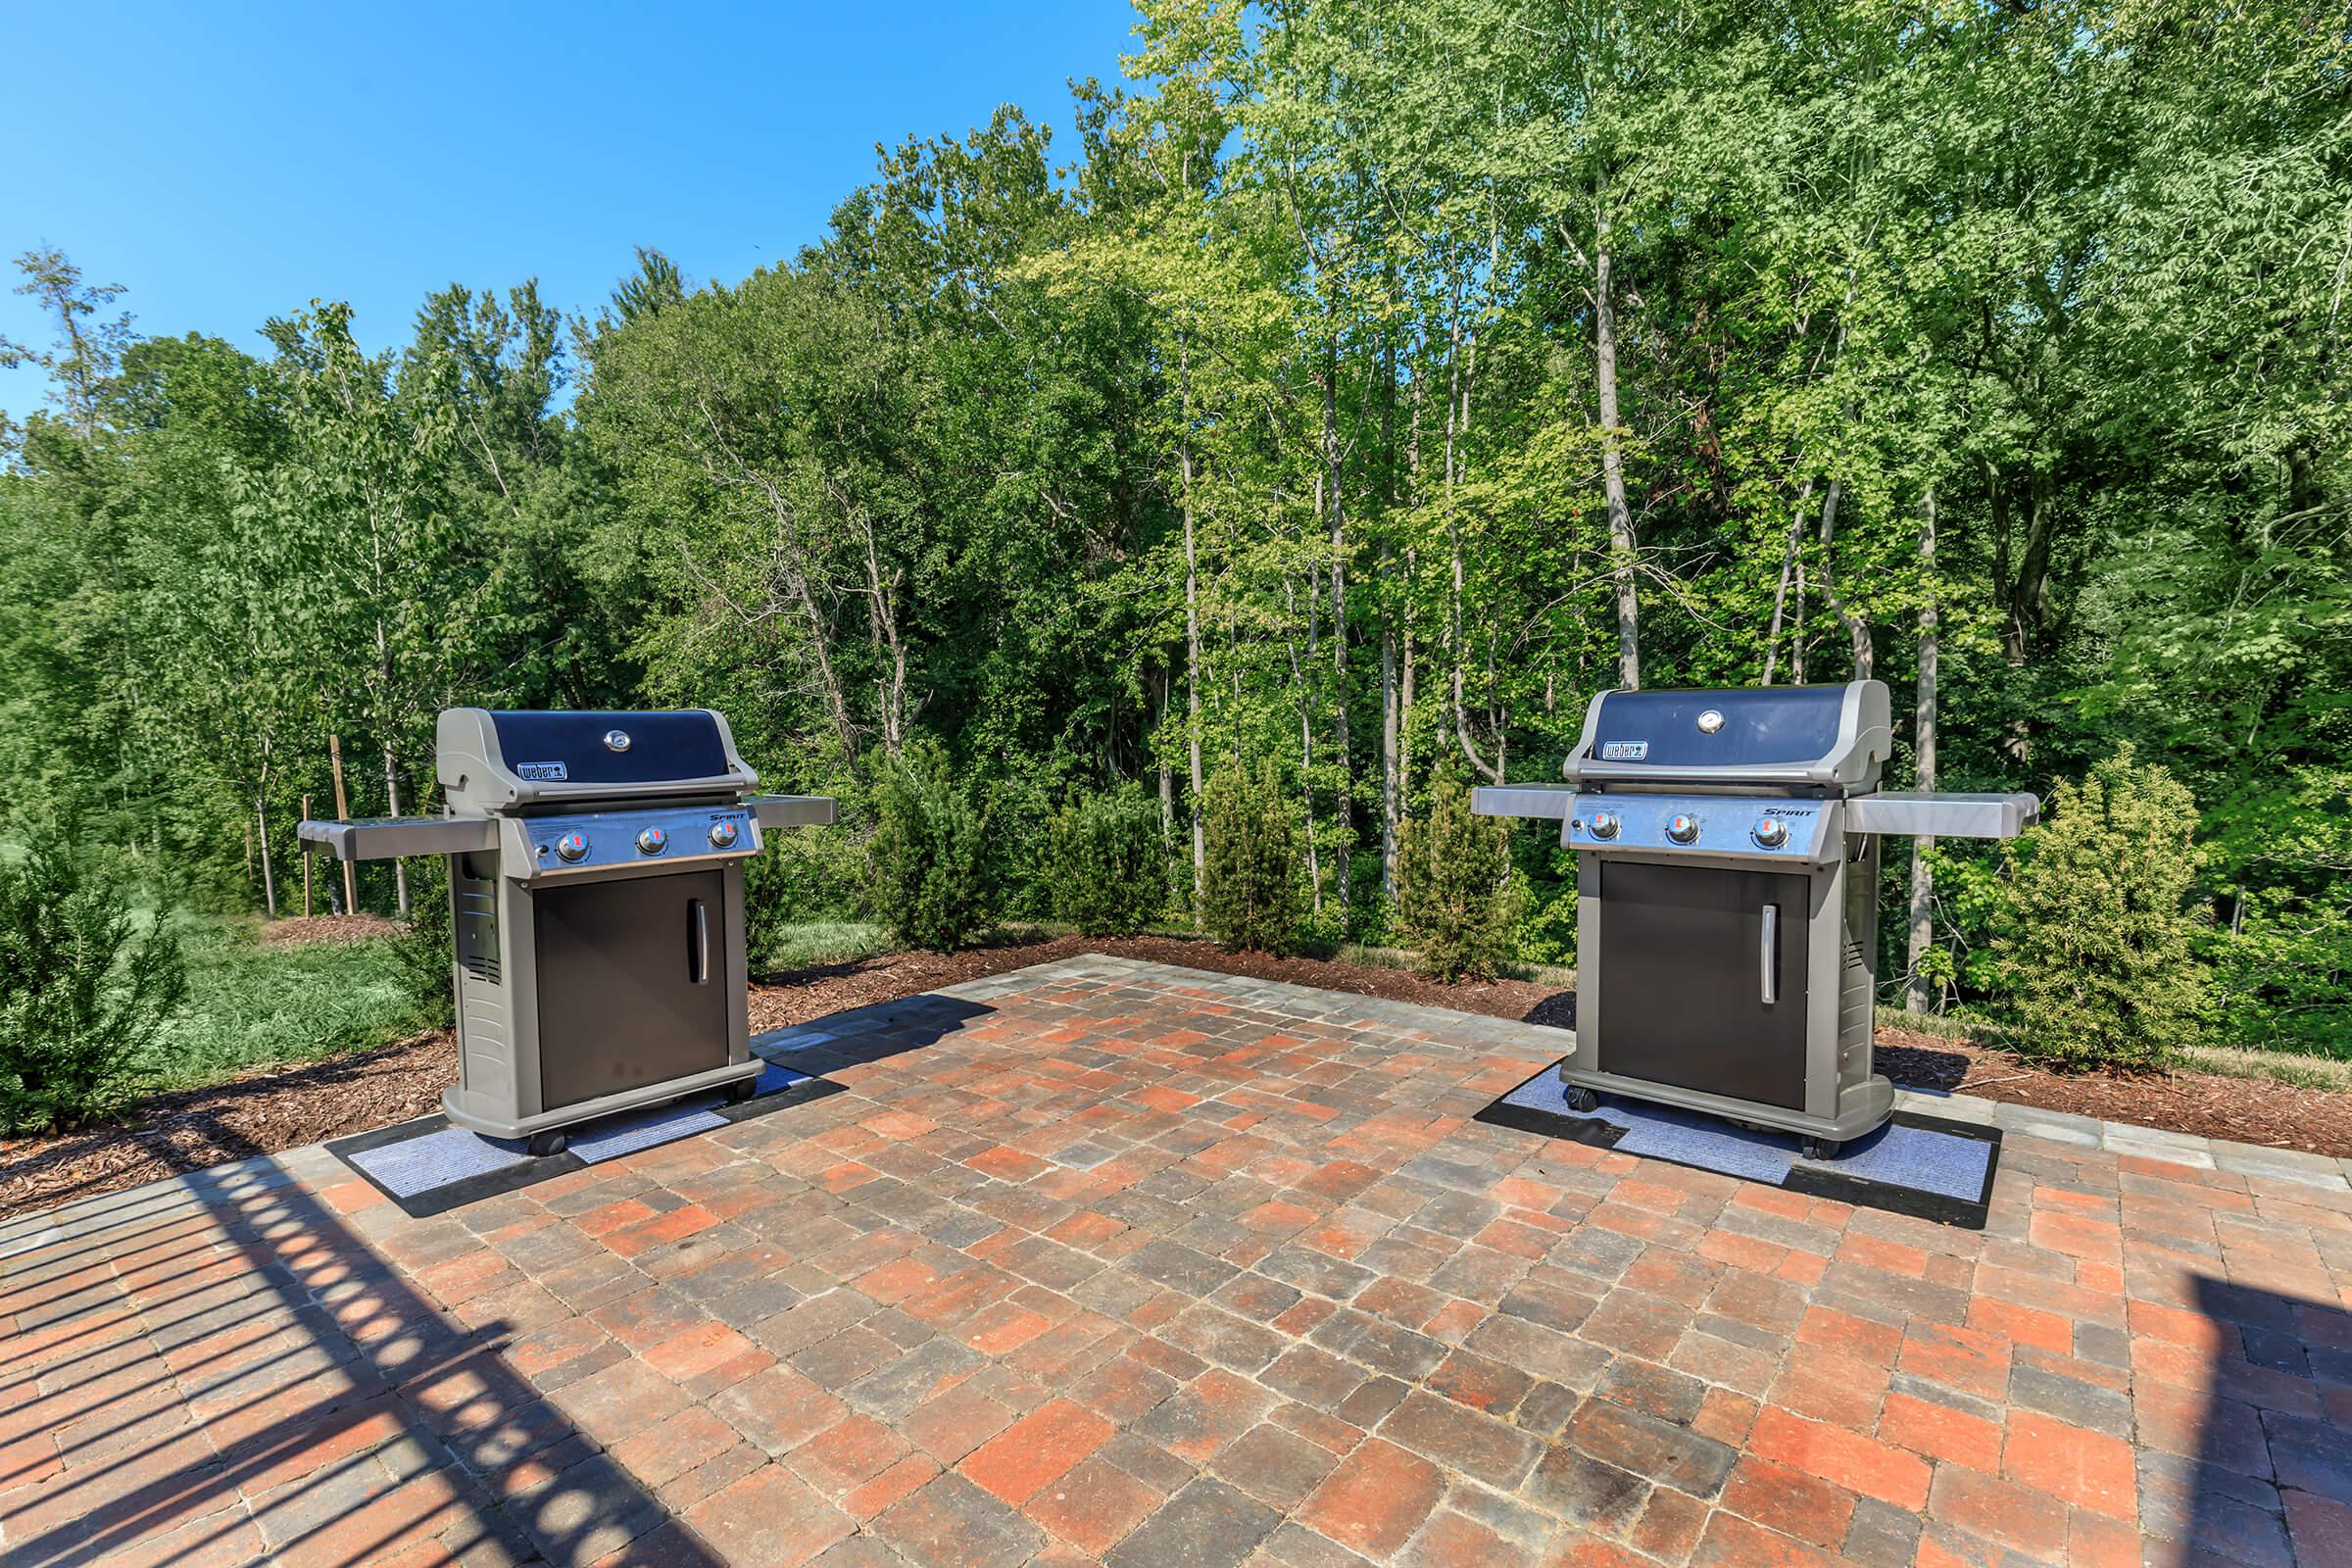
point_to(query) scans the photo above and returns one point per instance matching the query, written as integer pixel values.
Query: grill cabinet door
(1683, 982)
(620, 1004)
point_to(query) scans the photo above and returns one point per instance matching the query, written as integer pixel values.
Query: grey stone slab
(2057, 1126)
(2186, 1158)
(2287, 1165)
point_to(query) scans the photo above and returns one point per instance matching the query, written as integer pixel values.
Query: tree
(1457, 901)
(1255, 897)
(2097, 942)
(83, 989)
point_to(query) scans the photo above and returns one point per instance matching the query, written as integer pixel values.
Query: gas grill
(1727, 882)
(596, 903)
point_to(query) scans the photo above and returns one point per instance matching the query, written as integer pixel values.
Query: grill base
(589, 1002)
(1690, 994)
(455, 1104)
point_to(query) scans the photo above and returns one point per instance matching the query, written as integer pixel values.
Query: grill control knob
(1683, 829)
(652, 841)
(1605, 824)
(722, 835)
(1770, 832)
(572, 846)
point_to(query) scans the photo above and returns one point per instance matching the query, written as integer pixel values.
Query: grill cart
(1726, 877)
(596, 900)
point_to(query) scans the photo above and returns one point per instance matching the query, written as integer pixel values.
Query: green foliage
(2096, 943)
(85, 988)
(930, 852)
(425, 949)
(258, 1004)
(1105, 866)
(1456, 897)
(1254, 897)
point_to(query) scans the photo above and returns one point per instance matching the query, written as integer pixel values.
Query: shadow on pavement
(2271, 1477)
(218, 1368)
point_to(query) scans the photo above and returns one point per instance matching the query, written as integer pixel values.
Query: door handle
(698, 943)
(1768, 955)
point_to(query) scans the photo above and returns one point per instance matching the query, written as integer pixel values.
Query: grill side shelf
(1945, 816)
(793, 810)
(389, 838)
(1550, 803)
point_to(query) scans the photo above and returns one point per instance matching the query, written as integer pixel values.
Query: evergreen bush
(83, 991)
(425, 949)
(930, 852)
(1456, 900)
(2094, 940)
(1105, 866)
(1252, 897)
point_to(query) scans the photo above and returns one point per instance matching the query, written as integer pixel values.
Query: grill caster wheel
(554, 1143)
(1583, 1101)
(741, 1090)
(1819, 1148)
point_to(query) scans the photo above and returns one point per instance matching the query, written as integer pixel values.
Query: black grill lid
(1818, 735)
(1772, 725)
(572, 747)
(493, 761)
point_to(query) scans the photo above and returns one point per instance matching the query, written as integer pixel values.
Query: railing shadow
(276, 1359)
(2272, 1477)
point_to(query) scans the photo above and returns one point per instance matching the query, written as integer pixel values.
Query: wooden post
(351, 880)
(306, 865)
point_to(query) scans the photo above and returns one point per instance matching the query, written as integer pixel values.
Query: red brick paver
(1109, 1262)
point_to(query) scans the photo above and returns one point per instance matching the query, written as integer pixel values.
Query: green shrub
(2094, 942)
(1456, 897)
(930, 852)
(1253, 895)
(83, 992)
(1105, 866)
(424, 952)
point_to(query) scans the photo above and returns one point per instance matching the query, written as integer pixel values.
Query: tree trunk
(1388, 728)
(1301, 679)
(1857, 629)
(1338, 518)
(1923, 746)
(399, 868)
(351, 882)
(260, 817)
(1791, 567)
(1612, 466)
(1167, 774)
(1191, 633)
(1458, 429)
(884, 634)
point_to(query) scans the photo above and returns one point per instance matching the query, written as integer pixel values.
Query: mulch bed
(267, 1110)
(304, 931)
(255, 1113)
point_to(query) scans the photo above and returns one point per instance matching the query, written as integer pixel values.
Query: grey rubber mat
(1939, 1170)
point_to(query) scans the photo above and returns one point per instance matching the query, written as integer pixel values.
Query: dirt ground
(268, 1110)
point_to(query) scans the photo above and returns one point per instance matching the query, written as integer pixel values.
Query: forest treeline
(1356, 386)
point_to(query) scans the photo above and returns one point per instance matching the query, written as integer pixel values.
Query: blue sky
(231, 163)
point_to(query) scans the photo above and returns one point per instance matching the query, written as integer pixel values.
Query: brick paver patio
(1112, 1262)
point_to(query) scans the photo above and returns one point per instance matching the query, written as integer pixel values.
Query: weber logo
(544, 772)
(1624, 750)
